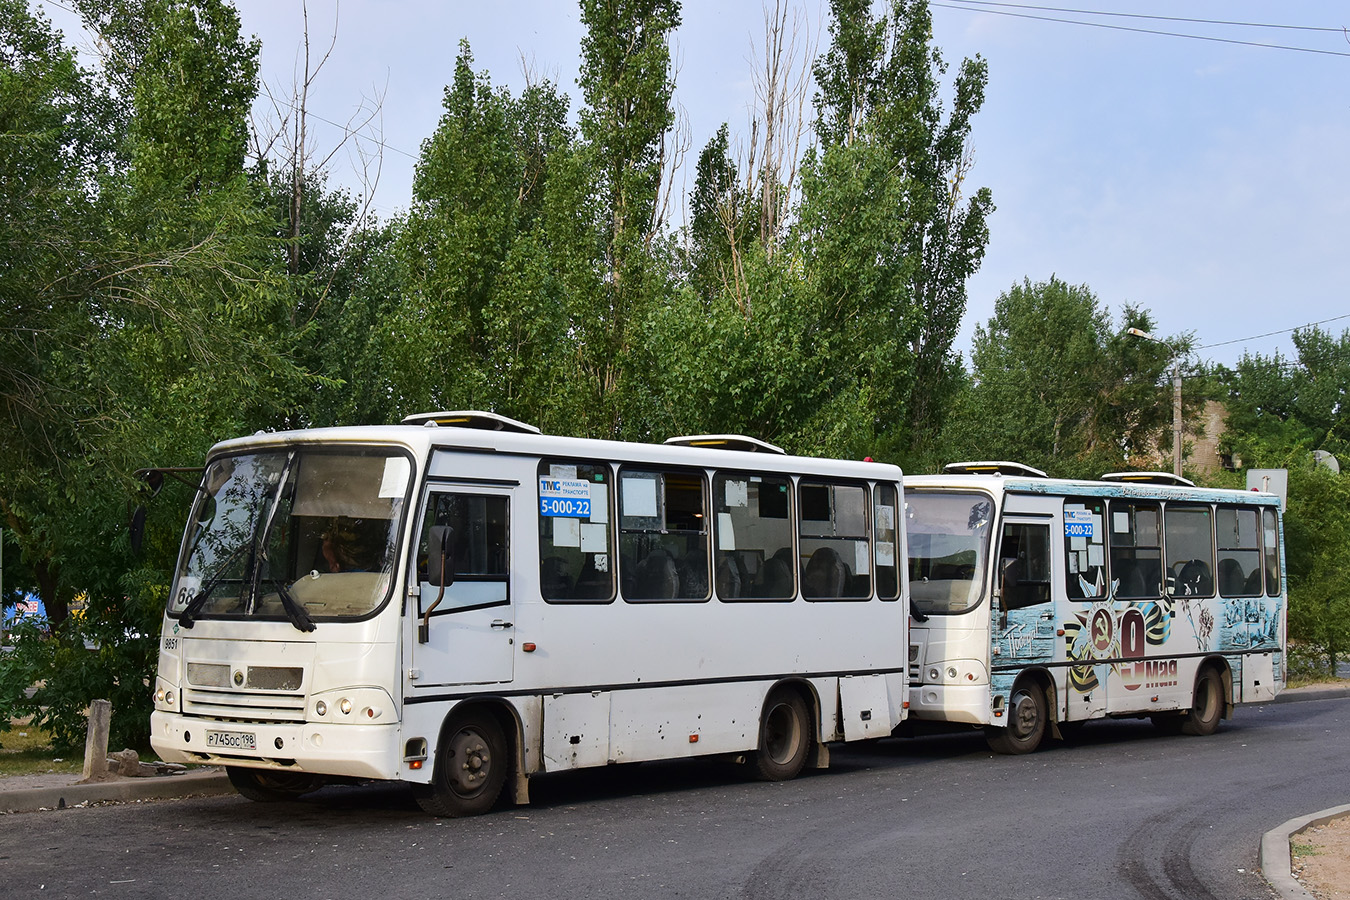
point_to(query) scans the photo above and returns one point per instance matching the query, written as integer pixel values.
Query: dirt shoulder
(1321, 859)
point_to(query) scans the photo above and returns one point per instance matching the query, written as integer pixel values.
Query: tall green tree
(719, 226)
(1317, 539)
(1279, 410)
(627, 83)
(1278, 406)
(172, 309)
(54, 148)
(885, 203)
(482, 321)
(1057, 386)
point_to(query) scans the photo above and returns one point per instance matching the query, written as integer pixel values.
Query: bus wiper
(296, 613)
(915, 614)
(188, 617)
(255, 583)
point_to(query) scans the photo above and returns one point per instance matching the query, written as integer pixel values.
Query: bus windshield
(293, 534)
(948, 545)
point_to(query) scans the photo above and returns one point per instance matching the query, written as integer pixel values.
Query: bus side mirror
(440, 572)
(441, 556)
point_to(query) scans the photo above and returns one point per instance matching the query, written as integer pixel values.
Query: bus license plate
(232, 740)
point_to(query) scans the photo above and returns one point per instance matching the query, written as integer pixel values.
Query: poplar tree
(892, 232)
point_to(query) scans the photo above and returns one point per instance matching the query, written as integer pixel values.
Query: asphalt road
(1121, 812)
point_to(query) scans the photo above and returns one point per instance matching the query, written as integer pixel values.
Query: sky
(1205, 181)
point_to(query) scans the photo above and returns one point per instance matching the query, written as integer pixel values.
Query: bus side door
(1085, 617)
(1024, 632)
(461, 616)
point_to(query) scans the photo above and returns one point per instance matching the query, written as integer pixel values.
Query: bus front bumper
(366, 751)
(968, 704)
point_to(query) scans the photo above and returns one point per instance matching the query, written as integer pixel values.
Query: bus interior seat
(591, 583)
(775, 577)
(554, 582)
(693, 572)
(728, 579)
(1253, 585)
(1194, 579)
(657, 577)
(825, 574)
(1232, 582)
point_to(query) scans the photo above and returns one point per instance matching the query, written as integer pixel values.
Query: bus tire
(784, 737)
(471, 764)
(1207, 705)
(266, 786)
(1026, 722)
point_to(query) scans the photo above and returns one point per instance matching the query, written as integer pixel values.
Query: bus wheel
(784, 737)
(1207, 706)
(265, 786)
(1026, 722)
(470, 770)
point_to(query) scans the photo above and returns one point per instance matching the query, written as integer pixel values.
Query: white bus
(461, 603)
(1039, 603)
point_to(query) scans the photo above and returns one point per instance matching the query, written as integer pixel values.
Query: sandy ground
(1324, 871)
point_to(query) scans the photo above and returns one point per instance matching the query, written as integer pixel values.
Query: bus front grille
(244, 706)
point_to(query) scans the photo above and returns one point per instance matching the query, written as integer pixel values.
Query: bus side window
(1271, 546)
(476, 532)
(753, 558)
(1190, 550)
(887, 550)
(1136, 549)
(575, 550)
(1085, 548)
(663, 535)
(1024, 565)
(1239, 533)
(835, 543)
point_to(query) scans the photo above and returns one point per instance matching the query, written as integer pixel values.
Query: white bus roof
(423, 439)
(1003, 484)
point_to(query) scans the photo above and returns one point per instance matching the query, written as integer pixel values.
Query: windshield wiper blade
(297, 614)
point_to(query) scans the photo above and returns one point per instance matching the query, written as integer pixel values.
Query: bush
(82, 661)
(1308, 664)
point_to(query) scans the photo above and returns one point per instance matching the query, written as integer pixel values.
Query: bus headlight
(958, 671)
(351, 706)
(166, 696)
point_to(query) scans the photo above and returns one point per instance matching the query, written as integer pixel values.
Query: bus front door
(462, 618)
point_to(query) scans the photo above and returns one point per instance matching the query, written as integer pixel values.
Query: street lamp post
(1176, 396)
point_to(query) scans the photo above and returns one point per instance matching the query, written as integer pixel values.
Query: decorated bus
(1039, 604)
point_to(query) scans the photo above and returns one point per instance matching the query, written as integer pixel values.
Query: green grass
(1298, 849)
(26, 750)
(1296, 681)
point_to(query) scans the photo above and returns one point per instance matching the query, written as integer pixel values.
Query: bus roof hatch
(727, 442)
(471, 419)
(1149, 478)
(992, 467)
